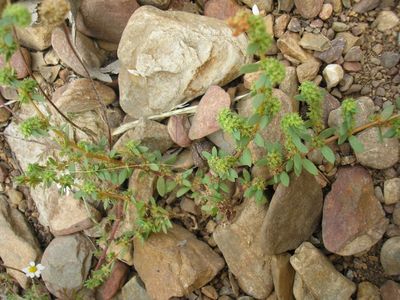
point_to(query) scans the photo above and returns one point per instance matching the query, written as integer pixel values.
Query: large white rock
(169, 57)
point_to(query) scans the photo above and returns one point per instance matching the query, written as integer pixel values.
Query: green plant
(93, 172)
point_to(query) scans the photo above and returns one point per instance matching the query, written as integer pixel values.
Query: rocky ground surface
(337, 238)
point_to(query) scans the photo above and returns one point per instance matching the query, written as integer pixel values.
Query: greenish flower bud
(34, 126)
(274, 70)
(18, 13)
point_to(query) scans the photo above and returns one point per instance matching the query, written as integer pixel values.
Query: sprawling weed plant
(93, 172)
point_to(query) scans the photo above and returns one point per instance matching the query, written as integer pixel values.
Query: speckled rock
(309, 8)
(368, 291)
(392, 191)
(390, 256)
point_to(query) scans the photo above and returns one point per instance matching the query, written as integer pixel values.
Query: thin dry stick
(103, 106)
(11, 268)
(180, 111)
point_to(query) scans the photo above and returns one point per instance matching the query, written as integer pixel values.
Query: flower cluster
(313, 96)
(34, 126)
(234, 124)
(274, 70)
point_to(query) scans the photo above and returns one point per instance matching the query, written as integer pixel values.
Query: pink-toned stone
(309, 8)
(353, 219)
(390, 290)
(211, 104)
(19, 62)
(178, 129)
(114, 282)
(93, 13)
(326, 12)
(221, 9)
(351, 66)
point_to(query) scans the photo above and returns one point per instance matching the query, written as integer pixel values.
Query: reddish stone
(353, 219)
(211, 104)
(116, 280)
(178, 129)
(351, 66)
(20, 63)
(390, 290)
(221, 9)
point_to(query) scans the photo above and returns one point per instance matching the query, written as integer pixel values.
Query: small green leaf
(387, 112)
(289, 165)
(182, 191)
(299, 145)
(327, 133)
(356, 144)
(252, 48)
(246, 158)
(328, 154)
(161, 186)
(154, 167)
(297, 164)
(391, 132)
(284, 177)
(264, 122)
(170, 185)
(259, 140)
(250, 68)
(310, 167)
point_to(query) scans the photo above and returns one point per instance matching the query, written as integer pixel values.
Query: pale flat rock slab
(175, 264)
(241, 244)
(288, 44)
(18, 244)
(169, 57)
(319, 275)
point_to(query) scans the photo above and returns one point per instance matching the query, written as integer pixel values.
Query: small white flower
(33, 270)
(255, 10)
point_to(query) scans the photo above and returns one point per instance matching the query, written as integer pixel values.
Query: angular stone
(354, 54)
(350, 39)
(353, 219)
(290, 86)
(368, 291)
(93, 13)
(309, 8)
(316, 42)
(333, 74)
(184, 60)
(365, 107)
(390, 256)
(333, 53)
(175, 264)
(289, 46)
(86, 48)
(205, 120)
(283, 276)
(149, 133)
(20, 61)
(79, 96)
(221, 9)
(377, 154)
(293, 214)
(114, 282)
(18, 244)
(365, 5)
(308, 71)
(133, 289)
(319, 275)
(281, 23)
(300, 290)
(242, 238)
(36, 37)
(330, 104)
(67, 262)
(178, 129)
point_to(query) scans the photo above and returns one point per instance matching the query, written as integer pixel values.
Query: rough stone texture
(368, 291)
(290, 86)
(392, 191)
(377, 154)
(316, 42)
(353, 218)
(365, 5)
(289, 46)
(390, 290)
(309, 8)
(86, 48)
(178, 129)
(92, 13)
(390, 256)
(389, 59)
(114, 282)
(79, 96)
(319, 275)
(221, 9)
(189, 53)
(161, 4)
(283, 276)
(149, 133)
(133, 289)
(175, 264)
(330, 104)
(333, 74)
(350, 39)
(286, 5)
(205, 120)
(293, 214)
(333, 53)
(67, 262)
(308, 71)
(243, 238)
(17, 61)
(18, 244)
(62, 213)
(300, 290)
(36, 37)
(365, 107)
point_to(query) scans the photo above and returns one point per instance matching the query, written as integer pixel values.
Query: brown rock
(390, 290)
(178, 129)
(333, 53)
(309, 8)
(289, 46)
(283, 276)
(36, 37)
(281, 23)
(205, 119)
(353, 219)
(114, 282)
(319, 275)
(92, 14)
(350, 39)
(86, 48)
(175, 264)
(326, 11)
(79, 96)
(20, 61)
(390, 256)
(221, 9)
(365, 5)
(293, 214)
(351, 66)
(330, 104)
(307, 71)
(368, 291)
(243, 238)
(316, 42)
(290, 86)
